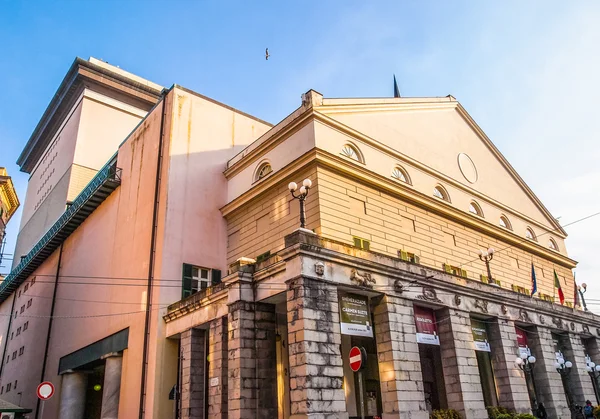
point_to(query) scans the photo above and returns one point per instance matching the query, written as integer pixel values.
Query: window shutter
(186, 281)
(215, 277)
(357, 242)
(366, 245)
(417, 259)
(403, 255)
(484, 279)
(447, 268)
(463, 273)
(514, 288)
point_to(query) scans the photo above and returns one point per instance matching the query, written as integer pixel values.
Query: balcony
(100, 187)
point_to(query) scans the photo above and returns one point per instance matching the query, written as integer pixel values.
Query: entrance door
(433, 377)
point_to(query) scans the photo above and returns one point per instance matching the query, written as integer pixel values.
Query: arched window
(400, 174)
(440, 192)
(552, 245)
(530, 235)
(263, 170)
(352, 152)
(474, 208)
(504, 223)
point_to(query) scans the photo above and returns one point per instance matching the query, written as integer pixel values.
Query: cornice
(357, 135)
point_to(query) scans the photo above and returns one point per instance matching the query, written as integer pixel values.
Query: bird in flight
(267, 54)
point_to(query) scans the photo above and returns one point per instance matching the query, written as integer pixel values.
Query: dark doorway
(433, 377)
(93, 395)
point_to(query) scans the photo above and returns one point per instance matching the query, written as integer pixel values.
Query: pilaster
(400, 375)
(192, 373)
(461, 374)
(217, 369)
(579, 379)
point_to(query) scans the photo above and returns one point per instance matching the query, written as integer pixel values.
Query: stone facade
(218, 355)
(192, 374)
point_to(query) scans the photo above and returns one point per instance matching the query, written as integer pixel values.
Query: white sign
(45, 390)
(214, 381)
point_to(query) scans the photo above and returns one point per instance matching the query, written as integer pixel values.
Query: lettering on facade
(426, 326)
(480, 337)
(355, 318)
(364, 279)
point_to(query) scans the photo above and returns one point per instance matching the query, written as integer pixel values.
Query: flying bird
(267, 54)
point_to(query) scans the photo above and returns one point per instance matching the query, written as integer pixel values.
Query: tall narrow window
(530, 235)
(440, 192)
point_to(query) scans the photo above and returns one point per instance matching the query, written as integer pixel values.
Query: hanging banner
(426, 326)
(355, 318)
(522, 341)
(480, 337)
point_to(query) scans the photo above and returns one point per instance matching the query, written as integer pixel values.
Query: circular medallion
(467, 168)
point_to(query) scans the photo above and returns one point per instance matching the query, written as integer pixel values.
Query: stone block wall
(461, 374)
(192, 374)
(579, 379)
(400, 375)
(316, 371)
(217, 370)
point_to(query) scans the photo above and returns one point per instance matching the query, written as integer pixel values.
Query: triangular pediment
(440, 135)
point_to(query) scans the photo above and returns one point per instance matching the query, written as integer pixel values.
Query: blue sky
(526, 72)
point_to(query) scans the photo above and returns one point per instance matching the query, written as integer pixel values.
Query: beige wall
(349, 208)
(262, 225)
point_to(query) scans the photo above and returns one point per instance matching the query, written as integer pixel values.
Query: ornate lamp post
(564, 369)
(584, 286)
(526, 362)
(486, 256)
(302, 194)
(594, 372)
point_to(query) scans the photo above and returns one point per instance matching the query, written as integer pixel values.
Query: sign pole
(362, 397)
(42, 409)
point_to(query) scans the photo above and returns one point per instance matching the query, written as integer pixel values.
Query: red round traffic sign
(45, 390)
(355, 358)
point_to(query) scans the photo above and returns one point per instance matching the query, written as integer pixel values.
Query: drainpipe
(149, 288)
(7, 335)
(60, 253)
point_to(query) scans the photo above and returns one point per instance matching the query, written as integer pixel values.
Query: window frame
(445, 196)
(403, 173)
(474, 205)
(552, 245)
(507, 224)
(259, 175)
(530, 234)
(356, 154)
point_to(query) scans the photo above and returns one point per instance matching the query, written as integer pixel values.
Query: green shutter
(403, 255)
(357, 242)
(215, 277)
(366, 245)
(484, 279)
(186, 282)
(463, 273)
(514, 288)
(447, 268)
(417, 259)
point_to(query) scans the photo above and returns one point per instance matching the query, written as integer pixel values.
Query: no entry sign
(356, 358)
(45, 390)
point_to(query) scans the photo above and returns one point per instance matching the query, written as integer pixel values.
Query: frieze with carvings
(482, 305)
(429, 294)
(364, 279)
(523, 315)
(457, 300)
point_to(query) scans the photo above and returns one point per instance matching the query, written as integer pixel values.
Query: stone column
(461, 374)
(252, 366)
(510, 379)
(217, 370)
(579, 379)
(193, 362)
(399, 364)
(592, 348)
(111, 386)
(316, 368)
(548, 382)
(72, 395)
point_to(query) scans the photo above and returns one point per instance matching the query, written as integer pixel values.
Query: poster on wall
(426, 326)
(522, 342)
(355, 318)
(480, 337)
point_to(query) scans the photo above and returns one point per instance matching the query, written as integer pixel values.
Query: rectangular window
(26, 287)
(545, 297)
(520, 290)
(2, 390)
(19, 294)
(7, 358)
(21, 350)
(18, 331)
(32, 281)
(14, 355)
(29, 302)
(8, 387)
(12, 335)
(26, 325)
(455, 270)
(408, 256)
(196, 278)
(22, 308)
(363, 244)
(16, 381)
(15, 314)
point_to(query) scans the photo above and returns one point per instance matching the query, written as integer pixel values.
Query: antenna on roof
(396, 90)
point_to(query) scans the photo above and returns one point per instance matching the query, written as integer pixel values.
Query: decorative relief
(482, 305)
(523, 315)
(429, 294)
(572, 325)
(457, 300)
(364, 279)
(399, 286)
(542, 319)
(557, 322)
(598, 331)
(319, 268)
(504, 309)
(586, 328)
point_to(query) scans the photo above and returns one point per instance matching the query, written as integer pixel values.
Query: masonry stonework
(192, 374)
(217, 370)
(316, 372)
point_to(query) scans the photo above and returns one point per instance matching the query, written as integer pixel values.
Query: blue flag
(533, 280)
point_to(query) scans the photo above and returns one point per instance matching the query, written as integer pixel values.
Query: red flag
(561, 294)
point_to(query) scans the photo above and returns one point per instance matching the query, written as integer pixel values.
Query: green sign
(355, 319)
(480, 336)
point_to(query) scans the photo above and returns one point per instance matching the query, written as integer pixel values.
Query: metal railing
(110, 173)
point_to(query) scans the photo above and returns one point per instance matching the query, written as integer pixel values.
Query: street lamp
(302, 194)
(594, 372)
(584, 286)
(525, 361)
(487, 256)
(564, 369)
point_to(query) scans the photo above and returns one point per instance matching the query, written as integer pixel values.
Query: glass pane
(204, 273)
(194, 272)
